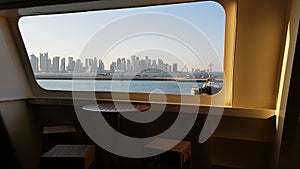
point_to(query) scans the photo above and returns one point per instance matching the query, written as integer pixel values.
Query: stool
(53, 135)
(69, 156)
(179, 154)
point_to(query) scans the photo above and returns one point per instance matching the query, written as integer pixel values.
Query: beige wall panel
(13, 83)
(259, 44)
(23, 133)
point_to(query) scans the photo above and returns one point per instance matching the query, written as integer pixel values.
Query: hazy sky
(190, 34)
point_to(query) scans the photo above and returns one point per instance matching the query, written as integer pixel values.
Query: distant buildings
(44, 62)
(71, 64)
(113, 66)
(101, 66)
(34, 63)
(55, 66)
(63, 65)
(78, 68)
(133, 64)
(175, 67)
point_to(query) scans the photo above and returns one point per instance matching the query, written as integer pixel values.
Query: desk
(116, 108)
(110, 107)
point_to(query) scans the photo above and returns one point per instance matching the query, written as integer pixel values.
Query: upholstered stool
(69, 156)
(53, 135)
(180, 155)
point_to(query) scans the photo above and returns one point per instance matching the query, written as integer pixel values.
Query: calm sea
(144, 86)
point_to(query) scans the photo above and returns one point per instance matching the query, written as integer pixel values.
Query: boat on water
(210, 87)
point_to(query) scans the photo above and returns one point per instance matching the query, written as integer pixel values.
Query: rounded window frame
(223, 98)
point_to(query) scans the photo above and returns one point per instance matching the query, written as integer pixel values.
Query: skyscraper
(78, 66)
(94, 65)
(118, 64)
(175, 67)
(132, 58)
(34, 61)
(137, 64)
(49, 66)
(113, 66)
(161, 65)
(63, 65)
(86, 66)
(154, 65)
(169, 68)
(128, 66)
(71, 64)
(101, 66)
(148, 62)
(143, 64)
(44, 62)
(123, 65)
(56, 64)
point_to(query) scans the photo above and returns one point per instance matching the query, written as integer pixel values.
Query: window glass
(172, 49)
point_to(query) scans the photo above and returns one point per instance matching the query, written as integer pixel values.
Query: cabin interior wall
(14, 84)
(290, 141)
(259, 42)
(282, 109)
(22, 132)
(13, 89)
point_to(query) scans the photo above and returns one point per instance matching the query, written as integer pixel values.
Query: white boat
(210, 87)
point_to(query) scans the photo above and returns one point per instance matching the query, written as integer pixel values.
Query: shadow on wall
(21, 144)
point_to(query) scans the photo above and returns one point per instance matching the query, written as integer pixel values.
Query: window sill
(170, 107)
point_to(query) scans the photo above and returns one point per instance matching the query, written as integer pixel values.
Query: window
(172, 49)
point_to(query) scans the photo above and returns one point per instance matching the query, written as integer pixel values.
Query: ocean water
(143, 86)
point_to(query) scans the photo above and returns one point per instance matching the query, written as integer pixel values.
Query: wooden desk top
(58, 129)
(164, 144)
(113, 107)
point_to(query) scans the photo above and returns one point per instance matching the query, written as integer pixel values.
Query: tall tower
(123, 65)
(71, 64)
(56, 64)
(63, 65)
(34, 63)
(101, 66)
(175, 67)
(113, 66)
(44, 62)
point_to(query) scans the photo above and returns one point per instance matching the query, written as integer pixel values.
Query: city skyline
(189, 33)
(57, 64)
